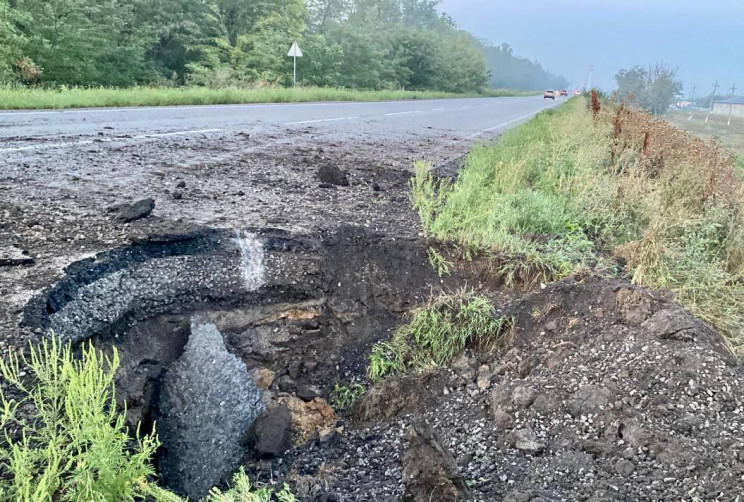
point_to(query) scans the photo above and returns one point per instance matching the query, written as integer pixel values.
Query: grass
(72, 444)
(567, 191)
(438, 331)
(716, 128)
(18, 98)
(343, 397)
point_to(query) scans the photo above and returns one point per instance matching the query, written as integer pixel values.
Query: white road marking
(66, 144)
(400, 113)
(494, 128)
(320, 120)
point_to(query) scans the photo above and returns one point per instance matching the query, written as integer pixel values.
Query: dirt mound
(604, 392)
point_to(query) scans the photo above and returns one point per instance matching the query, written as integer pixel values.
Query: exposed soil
(603, 391)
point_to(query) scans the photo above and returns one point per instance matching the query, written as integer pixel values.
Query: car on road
(549, 94)
(564, 92)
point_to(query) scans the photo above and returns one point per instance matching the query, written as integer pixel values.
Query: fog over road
(23, 132)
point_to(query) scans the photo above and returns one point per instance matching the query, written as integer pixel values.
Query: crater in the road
(198, 319)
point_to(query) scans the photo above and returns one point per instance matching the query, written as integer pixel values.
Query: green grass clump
(17, 98)
(565, 192)
(77, 446)
(343, 397)
(71, 443)
(517, 200)
(438, 332)
(242, 491)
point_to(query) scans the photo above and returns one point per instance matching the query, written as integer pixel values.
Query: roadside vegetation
(65, 440)
(605, 187)
(17, 98)
(438, 331)
(716, 128)
(374, 45)
(343, 397)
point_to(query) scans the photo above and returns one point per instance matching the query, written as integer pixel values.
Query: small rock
(286, 384)
(263, 377)
(11, 256)
(177, 195)
(273, 432)
(526, 441)
(502, 420)
(332, 175)
(307, 393)
(624, 467)
(526, 366)
(136, 211)
(429, 470)
(671, 323)
(523, 397)
(483, 379)
(181, 184)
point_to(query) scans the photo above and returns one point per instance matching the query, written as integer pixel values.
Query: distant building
(733, 105)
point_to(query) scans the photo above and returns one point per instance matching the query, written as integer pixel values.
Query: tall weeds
(586, 186)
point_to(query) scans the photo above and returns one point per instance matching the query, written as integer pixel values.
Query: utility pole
(712, 96)
(731, 104)
(692, 100)
(589, 79)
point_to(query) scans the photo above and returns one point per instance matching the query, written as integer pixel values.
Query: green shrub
(242, 491)
(76, 447)
(438, 332)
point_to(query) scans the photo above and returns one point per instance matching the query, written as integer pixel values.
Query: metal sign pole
(294, 53)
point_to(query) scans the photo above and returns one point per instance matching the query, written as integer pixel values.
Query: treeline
(366, 44)
(509, 71)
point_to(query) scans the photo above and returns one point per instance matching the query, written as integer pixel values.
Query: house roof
(731, 101)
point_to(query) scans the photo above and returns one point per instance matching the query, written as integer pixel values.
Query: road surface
(22, 132)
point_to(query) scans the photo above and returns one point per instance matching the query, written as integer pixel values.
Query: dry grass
(716, 128)
(586, 185)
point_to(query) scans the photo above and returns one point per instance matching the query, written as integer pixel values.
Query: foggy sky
(705, 38)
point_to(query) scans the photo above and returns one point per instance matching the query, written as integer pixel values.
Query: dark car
(549, 94)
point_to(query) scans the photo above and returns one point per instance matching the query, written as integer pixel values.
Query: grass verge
(438, 331)
(571, 189)
(15, 98)
(65, 440)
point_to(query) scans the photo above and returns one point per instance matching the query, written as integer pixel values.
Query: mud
(603, 391)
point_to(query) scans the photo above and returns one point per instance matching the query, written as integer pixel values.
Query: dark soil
(603, 391)
(598, 396)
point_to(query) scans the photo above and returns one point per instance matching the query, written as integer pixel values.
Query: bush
(76, 446)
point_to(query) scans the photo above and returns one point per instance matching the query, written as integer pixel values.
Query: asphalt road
(27, 131)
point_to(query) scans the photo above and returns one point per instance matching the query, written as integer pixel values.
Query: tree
(653, 88)
(84, 42)
(10, 41)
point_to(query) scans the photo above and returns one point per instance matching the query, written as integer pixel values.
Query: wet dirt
(603, 392)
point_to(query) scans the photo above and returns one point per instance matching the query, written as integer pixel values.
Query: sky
(703, 38)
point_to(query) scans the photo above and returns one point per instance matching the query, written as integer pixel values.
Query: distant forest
(362, 44)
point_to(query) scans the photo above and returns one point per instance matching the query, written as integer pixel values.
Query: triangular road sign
(295, 51)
